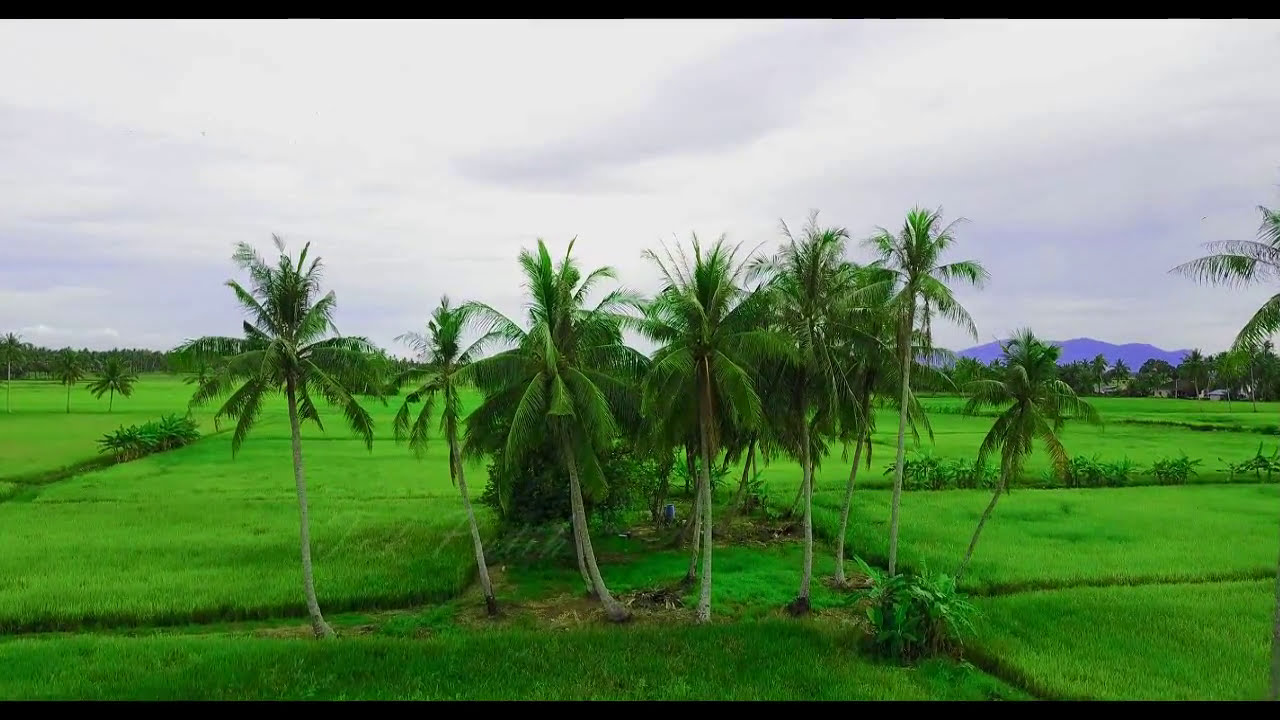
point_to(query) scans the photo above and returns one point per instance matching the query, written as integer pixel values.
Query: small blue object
(669, 512)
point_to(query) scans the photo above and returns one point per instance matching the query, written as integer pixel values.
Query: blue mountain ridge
(1133, 354)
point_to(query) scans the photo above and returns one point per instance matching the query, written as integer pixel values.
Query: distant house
(1218, 394)
(1175, 389)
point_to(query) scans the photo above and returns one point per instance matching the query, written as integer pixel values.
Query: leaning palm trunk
(800, 605)
(905, 346)
(582, 560)
(318, 624)
(1005, 470)
(704, 597)
(68, 399)
(848, 501)
(696, 522)
(615, 611)
(455, 462)
(741, 499)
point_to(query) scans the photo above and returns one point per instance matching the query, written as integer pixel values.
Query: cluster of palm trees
(787, 353)
(113, 375)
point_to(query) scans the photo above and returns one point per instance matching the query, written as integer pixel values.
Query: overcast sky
(418, 157)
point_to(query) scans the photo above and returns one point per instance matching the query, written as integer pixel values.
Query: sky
(1087, 158)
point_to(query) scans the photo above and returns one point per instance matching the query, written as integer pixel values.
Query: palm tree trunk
(111, 400)
(848, 501)
(68, 399)
(612, 608)
(704, 597)
(986, 514)
(741, 499)
(905, 349)
(1253, 389)
(696, 520)
(800, 606)
(455, 465)
(318, 624)
(8, 385)
(582, 560)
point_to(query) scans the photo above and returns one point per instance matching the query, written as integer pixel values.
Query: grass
(1158, 642)
(1073, 537)
(195, 536)
(773, 660)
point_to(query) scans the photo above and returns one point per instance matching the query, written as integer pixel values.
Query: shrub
(1174, 471)
(916, 616)
(1089, 472)
(925, 471)
(135, 441)
(1258, 464)
(536, 492)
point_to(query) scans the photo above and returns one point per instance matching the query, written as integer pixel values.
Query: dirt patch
(286, 632)
(659, 598)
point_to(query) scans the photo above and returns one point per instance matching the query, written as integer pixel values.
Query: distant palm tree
(1194, 369)
(912, 259)
(440, 376)
(1120, 373)
(813, 288)
(11, 350)
(1038, 405)
(712, 335)
(566, 376)
(1238, 263)
(285, 350)
(115, 377)
(69, 369)
(1099, 368)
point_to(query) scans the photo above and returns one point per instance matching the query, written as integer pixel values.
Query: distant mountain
(1133, 354)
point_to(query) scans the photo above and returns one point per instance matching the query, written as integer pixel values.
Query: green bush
(1174, 471)
(925, 471)
(1090, 472)
(135, 441)
(536, 492)
(916, 616)
(1258, 464)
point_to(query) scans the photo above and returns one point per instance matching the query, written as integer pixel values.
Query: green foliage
(534, 492)
(916, 616)
(135, 441)
(926, 471)
(1174, 471)
(1087, 472)
(1258, 464)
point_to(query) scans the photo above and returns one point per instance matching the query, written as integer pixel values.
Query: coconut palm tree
(711, 332)
(441, 376)
(1099, 368)
(69, 369)
(913, 259)
(872, 371)
(1195, 370)
(115, 377)
(1036, 407)
(1240, 263)
(291, 347)
(11, 351)
(1120, 374)
(565, 376)
(813, 288)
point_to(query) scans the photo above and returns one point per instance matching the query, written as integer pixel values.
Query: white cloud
(420, 156)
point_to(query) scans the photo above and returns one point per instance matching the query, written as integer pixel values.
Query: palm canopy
(115, 377)
(1241, 263)
(440, 372)
(69, 367)
(912, 259)
(286, 348)
(11, 348)
(814, 292)
(713, 333)
(1038, 403)
(569, 369)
